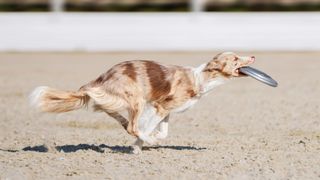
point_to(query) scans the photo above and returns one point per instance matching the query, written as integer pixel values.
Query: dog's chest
(186, 105)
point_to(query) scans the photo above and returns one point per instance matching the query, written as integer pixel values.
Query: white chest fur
(206, 87)
(186, 105)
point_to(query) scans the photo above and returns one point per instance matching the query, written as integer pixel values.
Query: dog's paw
(152, 140)
(136, 150)
(160, 135)
(148, 139)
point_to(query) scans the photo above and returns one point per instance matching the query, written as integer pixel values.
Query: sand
(241, 130)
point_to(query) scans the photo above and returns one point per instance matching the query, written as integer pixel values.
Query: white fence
(159, 31)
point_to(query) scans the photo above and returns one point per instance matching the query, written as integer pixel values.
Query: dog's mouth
(237, 71)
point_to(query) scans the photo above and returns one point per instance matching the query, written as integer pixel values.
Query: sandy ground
(242, 130)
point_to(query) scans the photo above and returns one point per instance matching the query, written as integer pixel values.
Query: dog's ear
(216, 57)
(213, 66)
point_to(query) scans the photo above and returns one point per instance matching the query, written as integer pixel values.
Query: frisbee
(258, 75)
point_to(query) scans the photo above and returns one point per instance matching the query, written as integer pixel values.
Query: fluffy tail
(52, 100)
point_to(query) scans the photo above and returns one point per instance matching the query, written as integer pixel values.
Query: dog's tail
(47, 99)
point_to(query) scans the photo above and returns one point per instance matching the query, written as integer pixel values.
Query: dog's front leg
(163, 128)
(149, 120)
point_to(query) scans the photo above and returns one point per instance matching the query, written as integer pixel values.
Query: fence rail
(159, 31)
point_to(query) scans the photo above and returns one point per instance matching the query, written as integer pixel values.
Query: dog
(141, 94)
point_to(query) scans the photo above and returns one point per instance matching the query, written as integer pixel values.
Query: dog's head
(227, 64)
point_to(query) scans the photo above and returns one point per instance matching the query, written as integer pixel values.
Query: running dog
(141, 94)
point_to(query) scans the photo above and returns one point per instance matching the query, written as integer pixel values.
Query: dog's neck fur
(205, 85)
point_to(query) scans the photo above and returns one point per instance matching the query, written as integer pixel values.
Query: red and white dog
(146, 91)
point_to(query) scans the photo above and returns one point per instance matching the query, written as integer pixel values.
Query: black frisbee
(258, 75)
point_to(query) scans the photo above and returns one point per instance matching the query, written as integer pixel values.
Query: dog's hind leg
(137, 146)
(123, 121)
(134, 114)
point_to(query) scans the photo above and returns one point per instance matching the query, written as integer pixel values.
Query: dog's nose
(252, 59)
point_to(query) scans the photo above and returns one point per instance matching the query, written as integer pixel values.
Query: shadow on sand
(101, 148)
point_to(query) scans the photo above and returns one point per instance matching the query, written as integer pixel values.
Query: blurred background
(159, 25)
